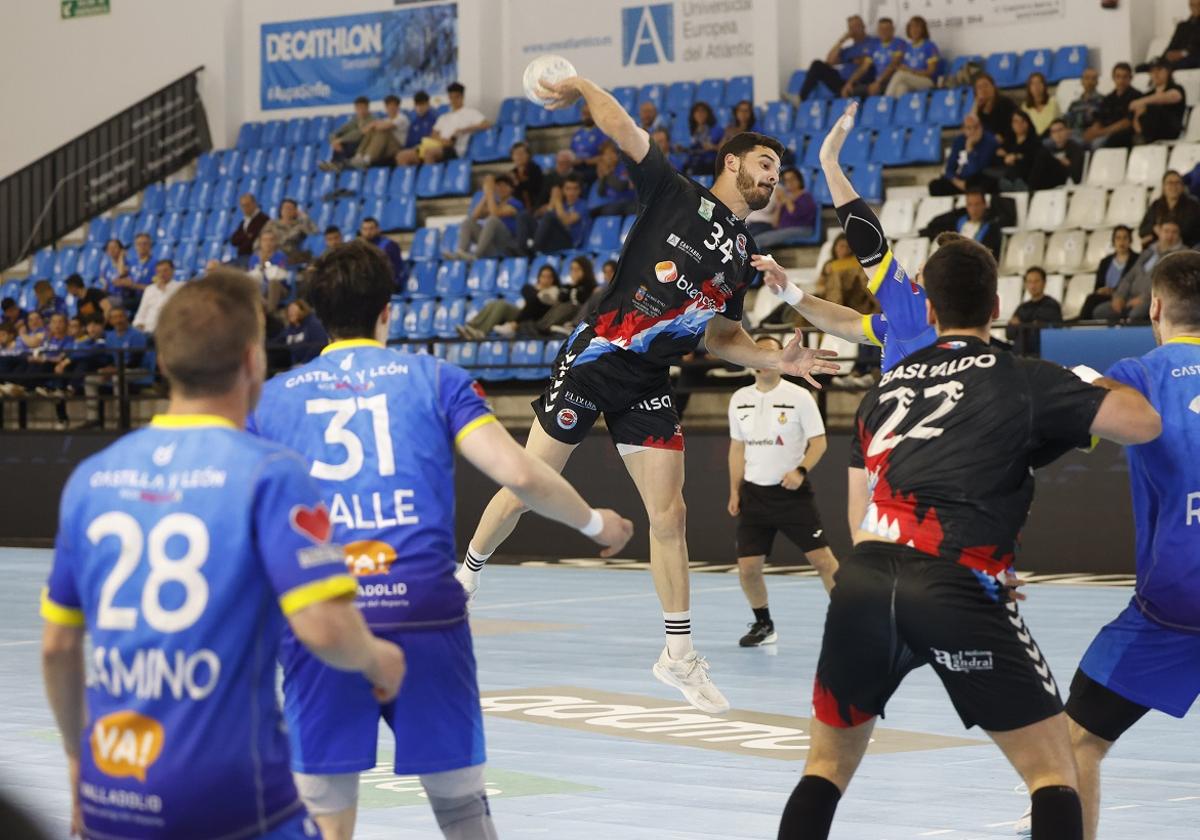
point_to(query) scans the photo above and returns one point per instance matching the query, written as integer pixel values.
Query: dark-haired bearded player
(681, 279)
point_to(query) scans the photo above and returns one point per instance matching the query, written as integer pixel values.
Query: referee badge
(782, 418)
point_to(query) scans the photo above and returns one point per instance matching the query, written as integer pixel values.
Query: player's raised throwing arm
(606, 111)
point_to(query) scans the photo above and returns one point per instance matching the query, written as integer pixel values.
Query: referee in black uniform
(776, 437)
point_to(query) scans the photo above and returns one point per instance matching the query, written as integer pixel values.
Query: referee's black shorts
(766, 510)
(894, 609)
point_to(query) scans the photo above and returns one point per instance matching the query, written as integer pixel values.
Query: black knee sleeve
(1057, 814)
(809, 811)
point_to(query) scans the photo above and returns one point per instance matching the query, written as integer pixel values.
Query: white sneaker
(1024, 826)
(469, 581)
(690, 675)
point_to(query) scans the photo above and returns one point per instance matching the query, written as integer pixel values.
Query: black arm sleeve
(864, 233)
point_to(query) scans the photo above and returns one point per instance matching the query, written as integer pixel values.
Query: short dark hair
(420, 97)
(74, 280)
(370, 219)
(94, 318)
(795, 172)
(1038, 269)
(573, 179)
(505, 179)
(332, 229)
(349, 286)
(455, 87)
(145, 234)
(166, 260)
(975, 191)
(290, 201)
(391, 99)
(362, 100)
(204, 330)
(960, 280)
(43, 285)
(741, 144)
(7, 303)
(1123, 65)
(1176, 281)
(1056, 121)
(1125, 228)
(520, 144)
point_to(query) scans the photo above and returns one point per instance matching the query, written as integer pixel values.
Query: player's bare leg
(1089, 751)
(1041, 754)
(658, 475)
(503, 512)
(825, 563)
(834, 754)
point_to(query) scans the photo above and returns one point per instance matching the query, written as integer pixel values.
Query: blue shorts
(1146, 663)
(300, 827)
(333, 719)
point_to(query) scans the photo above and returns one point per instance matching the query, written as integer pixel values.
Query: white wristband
(791, 294)
(1087, 374)
(594, 525)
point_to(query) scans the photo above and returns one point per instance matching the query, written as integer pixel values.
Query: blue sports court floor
(584, 744)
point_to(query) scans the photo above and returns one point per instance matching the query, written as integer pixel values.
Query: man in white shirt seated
(776, 437)
(156, 296)
(383, 138)
(453, 129)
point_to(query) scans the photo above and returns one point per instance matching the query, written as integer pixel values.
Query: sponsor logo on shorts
(666, 272)
(654, 403)
(706, 208)
(567, 419)
(575, 399)
(740, 244)
(963, 661)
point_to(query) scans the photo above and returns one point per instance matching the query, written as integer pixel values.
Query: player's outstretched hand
(1011, 582)
(773, 274)
(388, 671)
(616, 532)
(832, 147)
(805, 362)
(560, 94)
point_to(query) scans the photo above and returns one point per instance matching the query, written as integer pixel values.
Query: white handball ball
(552, 68)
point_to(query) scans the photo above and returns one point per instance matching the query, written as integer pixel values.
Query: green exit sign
(83, 8)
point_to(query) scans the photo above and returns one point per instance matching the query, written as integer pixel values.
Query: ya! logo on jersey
(567, 419)
(312, 522)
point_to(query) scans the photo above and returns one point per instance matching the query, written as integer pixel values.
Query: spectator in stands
(1083, 111)
(974, 221)
(1039, 309)
(88, 300)
(649, 119)
(245, 236)
(1174, 203)
(74, 328)
(1058, 163)
(1041, 107)
(85, 358)
(538, 297)
(662, 140)
(885, 58)
(452, 131)
(742, 120)
(841, 62)
(383, 138)
(705, 139)
(970, 153)
(564, 169)
(1183, 52)
(842, 279)
(565, 226)
(607, 272)
(369, 230)
(269, 266)
(48, 304)
(12, 361)
(1111, 271)
(1018, 154)
(157, 295)
(1130, 300)
(1159, 114)
(581, 285)
(420, 126)
(304, 335)
(587, 140)
(994, 110)
(121, 335)
(11, 313)
(112, 265)
(1113, 125)
(491, 226)
(32, 333)
(526, 175)
(347, 136)
(612, 193)
(920, 65)
(139, 269)
(333, 237)
(291, 229)
(794, 215)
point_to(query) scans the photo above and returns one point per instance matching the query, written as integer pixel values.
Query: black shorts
(766, 510)
(636, 401)
(894, 609)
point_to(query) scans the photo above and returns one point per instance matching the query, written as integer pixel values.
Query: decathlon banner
(332, 61)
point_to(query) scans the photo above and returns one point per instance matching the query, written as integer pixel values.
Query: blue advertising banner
(331, 61)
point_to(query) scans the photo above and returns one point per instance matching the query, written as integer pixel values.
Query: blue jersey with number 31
(180, 548)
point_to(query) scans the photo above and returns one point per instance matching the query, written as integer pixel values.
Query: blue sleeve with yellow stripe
(61, 603)
(903, 301)
(462, 401)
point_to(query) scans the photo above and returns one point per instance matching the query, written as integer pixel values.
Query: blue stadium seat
(422, 282)
(122, 228)
(778, 118)
(225, 194)
(89, 263)
(506, 137)
(819, 187)
(66, 260)
(626, 226)
(536, 117)
(169, 225)
(463, 355)
(314, 244)
(99, 229)
(867, 180)
(812, 154)
(418, 320)
(11, 289)
(605, 234)
(203, 195)
(375, 181)
(399, 214)
(372, 207)
(272, 134)
(279, 161)
(656, 93)
(254, 163)
(402, 182)
(295, 131)
(511, 276)
(248, 135)
(568, 116)
(961, 61)
(207, 167)
(162, 251)
(346, 214)
(538, 260)
(319, 129)
(321, 212)
(680, 96)
(274, 191)
(350, 180)
(857, 150)
(739, 88)
(910, 109)
(192, 228)
(492, 360)
(1005, 69)
(1069, 63)
(447, 316)
(705, 180)
(229, 163)
(837, 107)
(1036, 61)
(456, 179)
(211, 249)
(481, 279)
(179, 196)
(154, 197)
(481, 148)
(43, 264)
(248, 184)
(512, 111)
(945, 107)
(550, 352)
(889, 147)
(219, 225)
(796, 82)
(924, 145)
(877, 112)
(448, 241)
(795, 143)
(304, 160)
(451, 279)
(323, 185)
(712, 91)
(627, 96)
(425, 244)
(811, 116)
(526, 358)
(189, 262)
(429, 180)
(299, 188)
(396, 310)
(680, 136)
(147, 222)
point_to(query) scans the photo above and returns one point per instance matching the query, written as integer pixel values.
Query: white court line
(1183, 798)
(1122, 807)
(14, 644)
(936, 832)
(624, 595)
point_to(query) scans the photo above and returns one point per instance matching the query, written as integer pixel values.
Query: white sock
(679, 633)
(473, 562)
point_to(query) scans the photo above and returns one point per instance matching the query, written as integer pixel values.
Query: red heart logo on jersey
(312, 522)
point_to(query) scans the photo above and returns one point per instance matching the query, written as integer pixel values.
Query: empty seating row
(427, 181)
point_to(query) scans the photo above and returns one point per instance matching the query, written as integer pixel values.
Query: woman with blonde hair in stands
(1041, 107)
